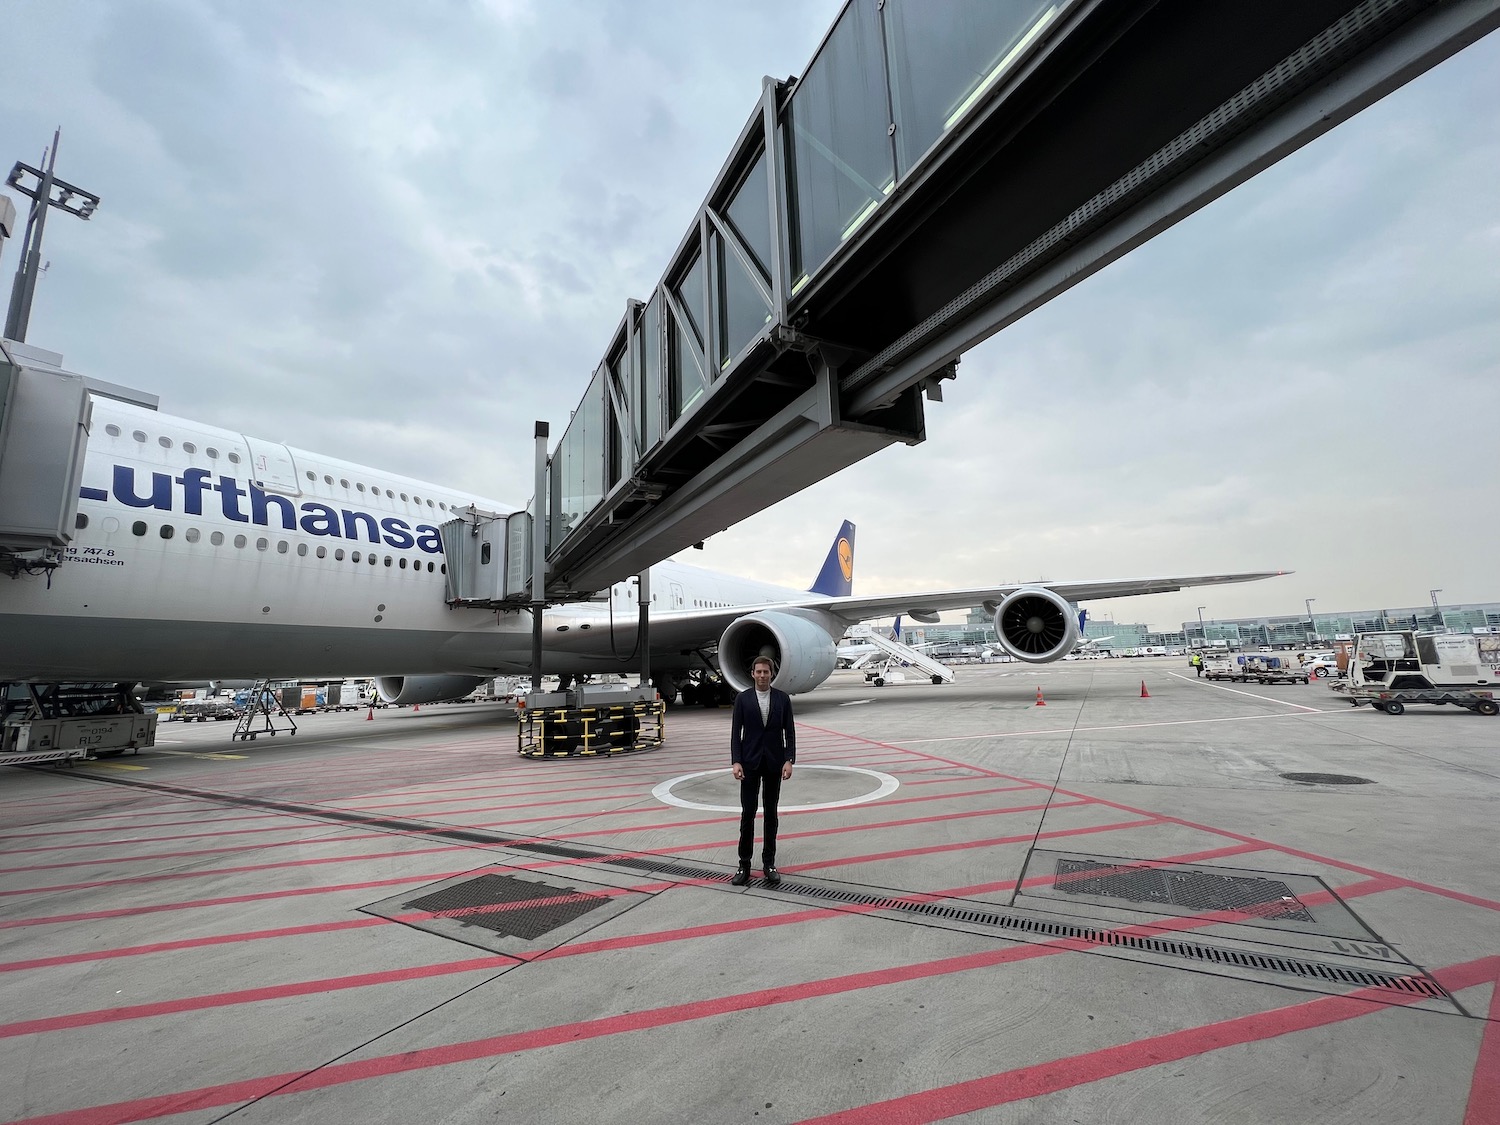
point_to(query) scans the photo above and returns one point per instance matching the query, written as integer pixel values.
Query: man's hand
(739, 772)
(786, 772)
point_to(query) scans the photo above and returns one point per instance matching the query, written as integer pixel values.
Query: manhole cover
(505, 910)
(1327, 779)
(507, 905)
(1193, 888)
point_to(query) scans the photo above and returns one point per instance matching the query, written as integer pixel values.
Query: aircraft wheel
(1487, 707)
(1394, 707)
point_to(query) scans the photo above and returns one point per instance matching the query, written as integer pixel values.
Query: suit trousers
(756, 783)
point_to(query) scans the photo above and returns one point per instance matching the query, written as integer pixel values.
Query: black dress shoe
(741, 877)
(771, 874)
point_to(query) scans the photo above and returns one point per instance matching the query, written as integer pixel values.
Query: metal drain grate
(1406, 984)
(499, 903)
(1197, 890)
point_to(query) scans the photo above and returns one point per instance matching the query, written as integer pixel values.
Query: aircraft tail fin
(836, 579)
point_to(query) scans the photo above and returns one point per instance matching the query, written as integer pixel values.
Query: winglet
(836, 579)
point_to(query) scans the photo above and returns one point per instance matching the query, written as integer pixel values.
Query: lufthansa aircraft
(202, 554)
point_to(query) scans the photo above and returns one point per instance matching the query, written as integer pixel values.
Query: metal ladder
(263, 707)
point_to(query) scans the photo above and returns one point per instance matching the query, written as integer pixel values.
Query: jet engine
(404, 690)
(1036, 625)
(800, 642)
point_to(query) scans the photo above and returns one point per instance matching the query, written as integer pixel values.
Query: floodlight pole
(69, 198)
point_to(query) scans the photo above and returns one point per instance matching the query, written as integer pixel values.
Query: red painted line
(194, 904)
(1029, 1082)
(733, 818)
(229, 871)
(294, 826)
(1194, 1041)
(249, 996)
(197, 819)
(236, 848)
(189, 943)
(1484, 1088)
(995, 842)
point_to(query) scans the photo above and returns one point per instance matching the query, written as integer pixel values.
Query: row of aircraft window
(234, 459)
(217, 539)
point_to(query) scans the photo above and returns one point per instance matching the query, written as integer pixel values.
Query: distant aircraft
(202, 554)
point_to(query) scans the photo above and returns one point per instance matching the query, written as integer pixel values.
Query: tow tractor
(1391, 670)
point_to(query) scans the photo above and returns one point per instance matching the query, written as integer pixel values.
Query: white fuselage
(203, 554)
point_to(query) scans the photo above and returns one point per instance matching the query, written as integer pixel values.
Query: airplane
(203, 554)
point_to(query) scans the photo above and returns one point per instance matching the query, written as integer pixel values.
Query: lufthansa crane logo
(846, 560)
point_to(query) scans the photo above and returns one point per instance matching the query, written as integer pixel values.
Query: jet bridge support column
(643, 632)
(539, 555)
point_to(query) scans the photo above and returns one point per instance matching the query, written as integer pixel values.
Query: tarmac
(1121, 906)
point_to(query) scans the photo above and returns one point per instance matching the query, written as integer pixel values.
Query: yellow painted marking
(202, 757)
(115, 766)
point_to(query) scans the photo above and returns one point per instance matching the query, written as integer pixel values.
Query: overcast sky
(399, 233)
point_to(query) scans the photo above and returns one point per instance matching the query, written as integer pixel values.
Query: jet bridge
(924, 183)
(44, 421)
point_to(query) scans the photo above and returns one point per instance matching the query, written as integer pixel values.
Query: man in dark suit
(762, 746)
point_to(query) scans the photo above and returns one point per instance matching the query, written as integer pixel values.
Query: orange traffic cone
(1144, 693)
(370, 718)
(1040, 702)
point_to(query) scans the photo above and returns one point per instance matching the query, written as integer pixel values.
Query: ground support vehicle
(1266, 669)
(202, 710)
(1390, 670)
(1395, 702)
(1259, 667)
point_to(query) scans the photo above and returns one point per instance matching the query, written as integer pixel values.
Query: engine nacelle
(405, 690)
(1036, 625)
(800, 642)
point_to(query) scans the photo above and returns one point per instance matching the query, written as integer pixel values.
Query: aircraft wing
(857, 608)
(703, 626)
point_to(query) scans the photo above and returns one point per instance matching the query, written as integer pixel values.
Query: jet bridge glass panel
(580, 464)
(743, 309)
(749, 213)
(687, 377)
(945, 55)
(837, 130)
(649, 386)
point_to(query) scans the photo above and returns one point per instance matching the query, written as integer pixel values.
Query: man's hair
(766, 660)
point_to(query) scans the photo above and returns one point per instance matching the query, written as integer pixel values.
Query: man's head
(762, 668)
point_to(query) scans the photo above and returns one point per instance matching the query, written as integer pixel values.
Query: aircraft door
(677, 596)
(271, 467)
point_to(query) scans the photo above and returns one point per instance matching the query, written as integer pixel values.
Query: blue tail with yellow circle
(836, 579)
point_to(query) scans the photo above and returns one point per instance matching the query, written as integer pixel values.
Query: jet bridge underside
(922, 185)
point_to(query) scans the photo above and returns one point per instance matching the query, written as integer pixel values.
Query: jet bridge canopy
(930, 178)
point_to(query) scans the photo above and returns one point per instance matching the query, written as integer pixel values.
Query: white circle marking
(888, 785)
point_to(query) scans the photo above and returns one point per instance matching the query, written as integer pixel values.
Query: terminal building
(1292, 631)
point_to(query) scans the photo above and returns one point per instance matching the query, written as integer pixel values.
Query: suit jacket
(758, 745)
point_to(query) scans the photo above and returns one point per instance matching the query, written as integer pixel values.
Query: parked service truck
(1390, 670)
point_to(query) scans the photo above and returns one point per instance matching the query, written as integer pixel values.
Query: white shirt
(765, 706)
